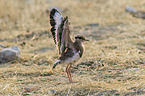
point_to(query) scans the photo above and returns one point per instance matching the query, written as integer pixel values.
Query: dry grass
(113, 63)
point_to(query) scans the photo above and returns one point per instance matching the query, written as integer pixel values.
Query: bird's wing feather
(55, 22)
(60, 31)
(64, 36)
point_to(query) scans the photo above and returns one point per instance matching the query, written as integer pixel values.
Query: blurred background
(27, 14)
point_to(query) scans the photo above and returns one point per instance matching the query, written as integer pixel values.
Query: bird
(135, 13)
(69, 51)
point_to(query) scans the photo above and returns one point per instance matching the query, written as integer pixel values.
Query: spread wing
(60, 31)
(55, 21)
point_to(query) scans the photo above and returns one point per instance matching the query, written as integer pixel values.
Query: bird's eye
(80, 37)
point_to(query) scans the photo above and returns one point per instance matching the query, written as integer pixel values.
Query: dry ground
(113, 63)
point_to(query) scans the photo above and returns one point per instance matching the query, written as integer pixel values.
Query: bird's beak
(86, 40)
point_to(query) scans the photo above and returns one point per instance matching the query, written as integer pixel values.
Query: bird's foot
(72, 81)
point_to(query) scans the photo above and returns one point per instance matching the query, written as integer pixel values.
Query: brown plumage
(70, 52)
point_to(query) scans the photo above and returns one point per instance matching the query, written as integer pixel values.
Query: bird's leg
(68, 72)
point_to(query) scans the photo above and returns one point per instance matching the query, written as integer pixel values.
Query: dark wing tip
(66, 19)
(52, 13)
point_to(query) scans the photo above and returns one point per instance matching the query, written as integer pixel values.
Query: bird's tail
(58, 62)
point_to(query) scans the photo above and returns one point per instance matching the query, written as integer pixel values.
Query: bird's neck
(79, 46)
(78, 43)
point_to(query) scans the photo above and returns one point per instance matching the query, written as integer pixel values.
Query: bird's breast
(73, 59)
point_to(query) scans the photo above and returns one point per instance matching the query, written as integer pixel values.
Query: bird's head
(80, 38)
